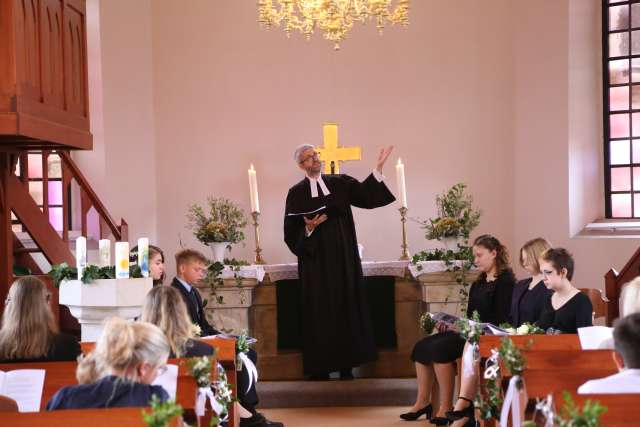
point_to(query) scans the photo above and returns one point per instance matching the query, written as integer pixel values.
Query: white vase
(451, 243)
(218, 250)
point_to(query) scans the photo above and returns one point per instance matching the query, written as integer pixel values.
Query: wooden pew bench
(622, 409)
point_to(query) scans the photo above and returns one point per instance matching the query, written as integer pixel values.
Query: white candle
(81, 255)
(143, 256)
(402, 189)
(253, 190)
(104, 252)
(122, 260)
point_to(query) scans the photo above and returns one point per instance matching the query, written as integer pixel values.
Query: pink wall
(473, 91)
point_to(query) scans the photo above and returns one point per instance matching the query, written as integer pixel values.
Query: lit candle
(402, 189)
(253, 190)
(81, 255)
(143, 256)
(122, 260)
(104, 252)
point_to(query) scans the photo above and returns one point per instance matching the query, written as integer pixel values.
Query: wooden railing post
(6, 233)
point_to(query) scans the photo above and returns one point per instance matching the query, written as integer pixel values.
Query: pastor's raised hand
(382, 157)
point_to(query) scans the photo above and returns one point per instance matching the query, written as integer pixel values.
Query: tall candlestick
(405, 246)
(122, 260)
(253, 190)
(143, 256)
(402, 189)
(81, 255)
(256, 229)
(104, 252)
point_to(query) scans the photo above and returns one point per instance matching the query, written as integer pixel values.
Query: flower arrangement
(161, 414)
(91, 273)
(223, 221)
(456, 215)
(201, 368)
(524, 329)
(427, 323)
(573, 416)
(470, 329)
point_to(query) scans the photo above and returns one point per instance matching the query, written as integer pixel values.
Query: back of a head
(165, 308)
(122, 347)
(626, 340)
(630, 298)
(27, 322)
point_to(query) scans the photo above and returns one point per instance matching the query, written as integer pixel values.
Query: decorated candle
(81, 255)
(402, 189)
(253, 190)
(143, 256)
(122, 260)
(104, 252)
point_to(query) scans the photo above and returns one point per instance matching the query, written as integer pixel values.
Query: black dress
(575, 313)
(492, 301)
(337, 328)
(526, 304)
(64, 347)
(109, 392)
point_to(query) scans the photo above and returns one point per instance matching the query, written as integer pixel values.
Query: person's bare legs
(424, 377)
(468, 389)
(445, 375)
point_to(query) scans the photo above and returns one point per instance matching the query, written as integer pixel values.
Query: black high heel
(440, 421)
(467, 412)
(412, 416)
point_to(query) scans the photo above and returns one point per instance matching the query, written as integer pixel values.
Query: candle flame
(399, 161)
(251, 167)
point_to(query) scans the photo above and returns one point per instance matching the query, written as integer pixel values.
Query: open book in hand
(451, 319)
(321, 210)
(250, 340)
(24, 386)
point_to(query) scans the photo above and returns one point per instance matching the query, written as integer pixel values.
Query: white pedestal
(94, 302)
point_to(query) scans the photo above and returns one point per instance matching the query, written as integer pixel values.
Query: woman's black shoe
(462, 413)
(440, 421)
(412, 416)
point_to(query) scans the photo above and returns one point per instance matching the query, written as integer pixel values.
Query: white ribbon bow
(251, 369)
(201, 399)
(468, 359)
(512, 401)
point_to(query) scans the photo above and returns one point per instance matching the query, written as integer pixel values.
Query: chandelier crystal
(334, 18)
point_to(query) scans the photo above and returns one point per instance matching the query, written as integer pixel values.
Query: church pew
(538, 342)
(83, 417)
(622, 409)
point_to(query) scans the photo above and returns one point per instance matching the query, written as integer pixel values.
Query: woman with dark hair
(29, 332)
(567, 309)
(434, 356)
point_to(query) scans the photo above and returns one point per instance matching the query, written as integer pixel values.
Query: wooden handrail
(614, 281)
(90, 198)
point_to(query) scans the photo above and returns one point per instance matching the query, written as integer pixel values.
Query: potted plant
(219, 227)
(456, 218)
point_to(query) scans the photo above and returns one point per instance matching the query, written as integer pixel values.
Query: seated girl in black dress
(434, 356)
(118, 373)
(29, 332)
(529, 295)
(567, 309)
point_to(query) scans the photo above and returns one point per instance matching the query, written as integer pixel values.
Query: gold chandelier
(334, 18)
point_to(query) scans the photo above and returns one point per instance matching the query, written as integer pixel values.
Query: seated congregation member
(119, 371)
(190, 269)
(165, 308)
(156, 263)
(567, 309)
(630, 298)
(626, 341)
(434, 356)
(29, 332)
(526, 305)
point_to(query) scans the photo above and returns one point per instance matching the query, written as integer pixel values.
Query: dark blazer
(195, 348)
(64, 347)
(195, 309)
(526, 305)
(109, 392)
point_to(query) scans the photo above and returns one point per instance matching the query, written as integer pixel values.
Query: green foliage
(512, 358)
(91, 273)
(427, 324)
(470, 329)
(223, 221)
(200, 369)
(161, 413)
(490, 404)
(572, 416)
(456, 215)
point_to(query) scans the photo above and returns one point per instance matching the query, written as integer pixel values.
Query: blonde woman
(118, 373)
(630, 298)
(165, 308)
(29, 332)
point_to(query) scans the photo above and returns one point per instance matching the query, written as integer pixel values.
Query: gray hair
(301, 149)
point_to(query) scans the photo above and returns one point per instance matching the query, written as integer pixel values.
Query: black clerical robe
(337, 332)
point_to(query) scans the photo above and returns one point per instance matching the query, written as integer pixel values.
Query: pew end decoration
(201, 369)
(161, 414)
(572, 416)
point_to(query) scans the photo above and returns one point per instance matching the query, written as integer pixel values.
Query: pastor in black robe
(337, 332)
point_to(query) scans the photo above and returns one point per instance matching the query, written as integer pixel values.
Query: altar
(264, 300)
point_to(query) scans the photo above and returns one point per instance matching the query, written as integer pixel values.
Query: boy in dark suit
(191, 268)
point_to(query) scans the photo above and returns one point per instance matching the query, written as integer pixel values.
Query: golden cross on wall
(331, 152)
